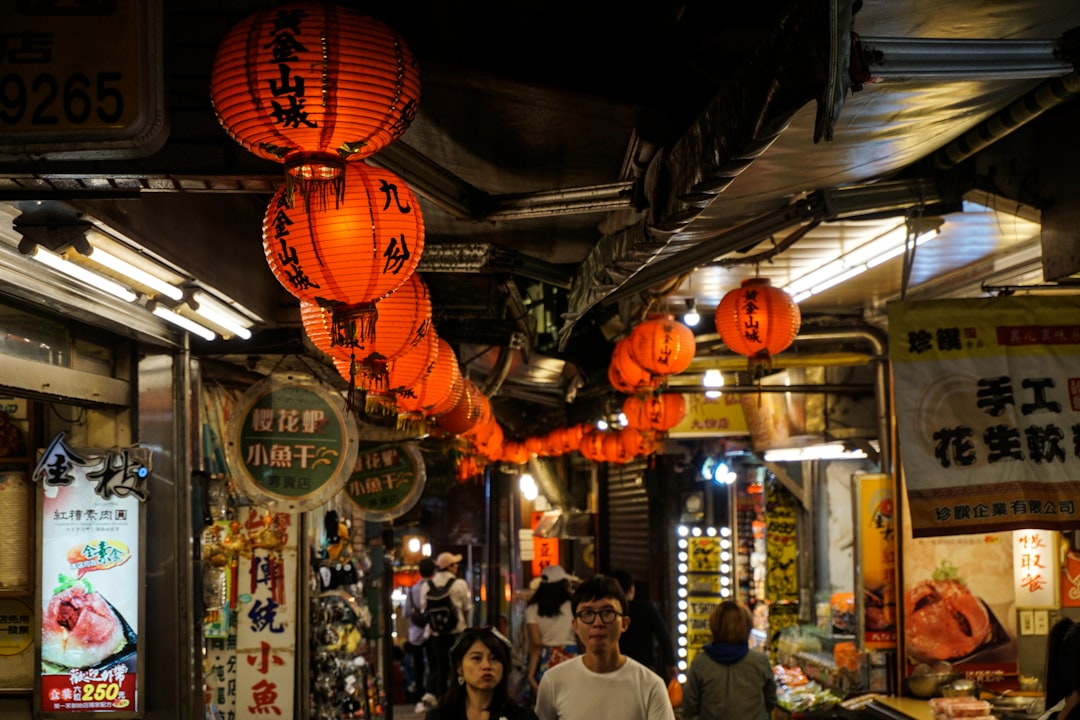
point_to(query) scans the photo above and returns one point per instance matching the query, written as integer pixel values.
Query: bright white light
(683, 568)
(823, 451)
(180, 321)
(682, 642)
(414, 545)
(713, 378)
(139, 275)
(710, 531)
(725, 568)
(842, 277)
(713, 394)
(725, 557)
(815, 277)
(725, 531)
(682, 592)
(682, 629)
(623, 420)
(885, 256)
(221, 315)
(725, 580)
(602, 424)
(683, 616)
(48, 257)
(528, 487)
(723, 475)
(683, 530)
(724, 592)
(683, 605)
(691, 319)
(683, 557)
(695, 531)
(426, 550)
(680, 579)
(725, 544)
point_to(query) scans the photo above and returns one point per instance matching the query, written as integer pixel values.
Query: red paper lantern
(437, 387)
(403, 319)
(624, 372)
(758, 320)
(467, 413)
(348, 258)
(515, 452)
(312, 85)
(662, 345)
(591, 446)
(655, 412)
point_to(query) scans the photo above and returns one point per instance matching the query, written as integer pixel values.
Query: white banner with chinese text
(988, 412)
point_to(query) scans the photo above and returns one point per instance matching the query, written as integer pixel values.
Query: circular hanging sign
(290, 443)
(387, 481)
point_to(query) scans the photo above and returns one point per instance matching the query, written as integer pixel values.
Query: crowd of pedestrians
(593, 651)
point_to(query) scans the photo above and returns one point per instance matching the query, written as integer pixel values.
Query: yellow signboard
(711, 417)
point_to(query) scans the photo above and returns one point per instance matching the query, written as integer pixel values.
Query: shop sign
(266, 614)
(290, 443)
(988, 412)
(781, 546)
(81, 79)
(959, 606)
(90, 563)
(876, 523)
(1035, 568)
(387, 480)
(706, 578)
(711, 417)
(545, 550)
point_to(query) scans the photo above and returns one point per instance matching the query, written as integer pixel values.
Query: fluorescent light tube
(221, 315)
(82, 274)
(138, 275)
(180, 321)
(815, 277)
(842, 277)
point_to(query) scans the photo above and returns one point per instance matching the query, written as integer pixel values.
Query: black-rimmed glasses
(607, 616)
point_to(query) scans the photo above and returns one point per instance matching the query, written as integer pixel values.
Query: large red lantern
(757, 320)
(467, 413)
(347, 258)
(662, 345)
(437, 388)
(313, 85)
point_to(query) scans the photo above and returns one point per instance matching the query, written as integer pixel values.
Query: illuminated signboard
(90, 570)
(81, 80)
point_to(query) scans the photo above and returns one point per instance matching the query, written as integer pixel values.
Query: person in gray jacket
(727, 679)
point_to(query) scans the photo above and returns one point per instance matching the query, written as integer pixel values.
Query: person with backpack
(449, 608)
(419, 646)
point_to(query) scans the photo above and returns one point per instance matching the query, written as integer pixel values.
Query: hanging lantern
(662, 345)
(638, 443)
(655, 412)
(457, 389)
(515, 452)
(534, 444)
(614, 450)
(491, 446)
(466, 414)
(349, 258)
(437, 388)
(591, 446)
(758, 320)
(571, 438)
(313, 85)
(625, 374)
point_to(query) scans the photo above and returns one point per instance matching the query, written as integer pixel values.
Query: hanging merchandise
(313, 85)
(347, 258)
(758, 320)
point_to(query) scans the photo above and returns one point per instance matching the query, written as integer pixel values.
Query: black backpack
(417, 616)
(441, 611)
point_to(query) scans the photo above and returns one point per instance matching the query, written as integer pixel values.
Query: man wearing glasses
(602, 682)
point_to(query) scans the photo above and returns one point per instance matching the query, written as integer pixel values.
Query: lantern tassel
(380, 404)
(411, 423)
(374, 375)
(316, 176)
(352, 326)
(350, 394)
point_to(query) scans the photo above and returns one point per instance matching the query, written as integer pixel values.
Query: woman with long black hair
(480, 659)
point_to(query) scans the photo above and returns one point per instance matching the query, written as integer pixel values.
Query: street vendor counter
(899, 708)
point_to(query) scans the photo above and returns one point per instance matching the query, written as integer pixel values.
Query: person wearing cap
(447, 564)
(550, 625)
(601, 682)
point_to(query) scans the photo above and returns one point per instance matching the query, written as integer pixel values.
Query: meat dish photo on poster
(957, 608)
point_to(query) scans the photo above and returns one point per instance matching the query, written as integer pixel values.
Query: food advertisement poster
(988, 412)
(90, 578)
(877, 543)
(957, 609)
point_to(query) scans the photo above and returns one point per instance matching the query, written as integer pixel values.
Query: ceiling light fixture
(691, 318)
(180, 321)
(93, 250)
(78, 272)
(221, 315)
(822, 451)
(844, 267)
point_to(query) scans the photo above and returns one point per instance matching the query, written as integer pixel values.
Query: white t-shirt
(570, 691)
(555, 631)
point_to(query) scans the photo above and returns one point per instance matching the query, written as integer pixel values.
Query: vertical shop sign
(876, 539)
(1035, 568)
(290, 443)
(545, 549)
(708, 581)
(988, 412)
(90, 567)
(266, 618)
(781, 545)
